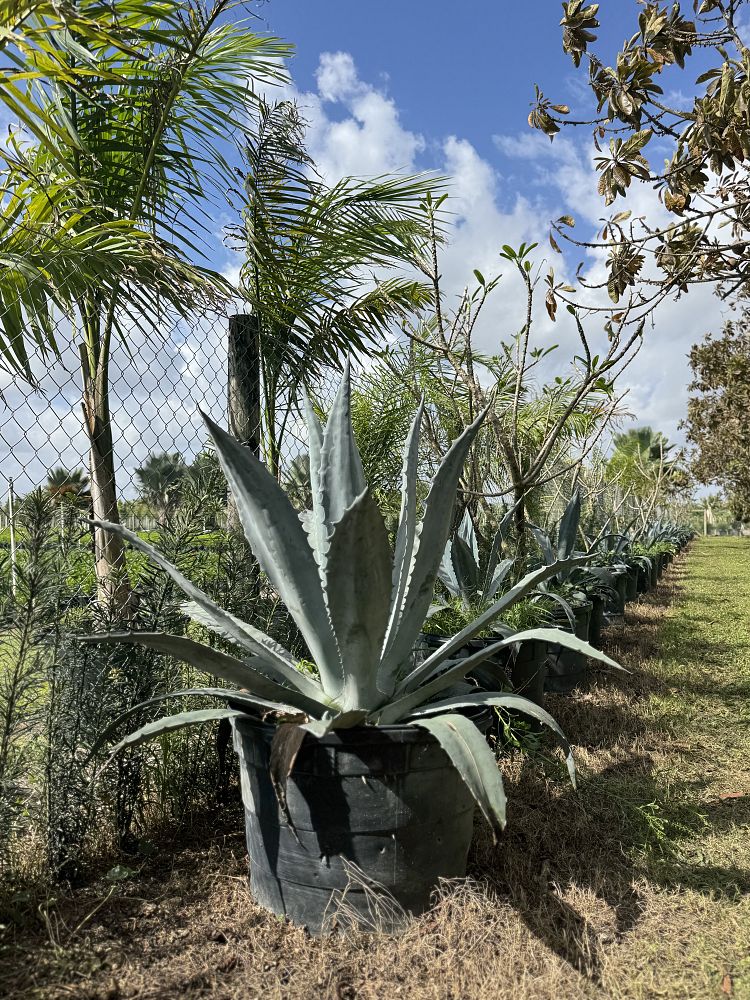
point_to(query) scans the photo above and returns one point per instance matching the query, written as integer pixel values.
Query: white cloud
(355, 128)
(337, 78)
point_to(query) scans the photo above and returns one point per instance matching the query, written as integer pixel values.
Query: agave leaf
(279, 662)
(344, 720)
(358, 595)
(453, 672)
(561, 638)
(282, 664)
(316, 522)
(285, 745)
(172, 722)
(544, 543)
(467, 534)
(241, 697)
(568, 533)
(430, 537)
(498, 578)
(513, 702)
(447, 573)
(612, 537)
(341, 475)
(456, 670)
(552, 596)
(278, 539)
(502, 529)
(515, 594)
(245, 673)
(407, 524)
(472, 758)
(495, 552)
(465, 567)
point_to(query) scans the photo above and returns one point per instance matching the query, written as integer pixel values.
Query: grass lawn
(637, 885)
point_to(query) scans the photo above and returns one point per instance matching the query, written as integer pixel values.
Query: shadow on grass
(598, 844)
(570, 862)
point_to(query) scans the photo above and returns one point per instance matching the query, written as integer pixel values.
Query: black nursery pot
(631, 590)
(378, 815)
(616, 604)
(528, 670)
(656, 568)
(487, 674)
(596, 622)
(566, 668)
(644, 578)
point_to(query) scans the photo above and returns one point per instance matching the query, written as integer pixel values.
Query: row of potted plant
(362, 776)
(579, 599)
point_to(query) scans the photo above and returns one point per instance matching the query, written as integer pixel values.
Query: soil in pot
(566, 668)
(376, 817)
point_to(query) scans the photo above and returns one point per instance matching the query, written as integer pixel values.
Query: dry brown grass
(633, 887)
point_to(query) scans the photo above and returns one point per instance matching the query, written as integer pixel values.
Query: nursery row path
(665, 756)
(637, 885)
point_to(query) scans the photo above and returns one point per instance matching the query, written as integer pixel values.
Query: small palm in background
(63, 484)
(161, 479)
(69, 495)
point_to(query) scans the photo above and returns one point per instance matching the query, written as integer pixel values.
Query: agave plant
(470, 581)
(358, 605)
(567, 535)
(460, 570)
(575, 584)
(665, 535)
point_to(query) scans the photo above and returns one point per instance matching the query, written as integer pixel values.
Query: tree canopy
(717, 422)
(702, 184)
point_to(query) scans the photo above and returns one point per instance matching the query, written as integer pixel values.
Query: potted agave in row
(364, 776)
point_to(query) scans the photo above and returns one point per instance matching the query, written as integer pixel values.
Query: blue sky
(467, 69)
(427, 84)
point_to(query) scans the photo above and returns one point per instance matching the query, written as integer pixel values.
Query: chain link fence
(159, 377)
(58, 694)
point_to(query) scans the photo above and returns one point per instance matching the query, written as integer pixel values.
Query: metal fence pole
(11, 521)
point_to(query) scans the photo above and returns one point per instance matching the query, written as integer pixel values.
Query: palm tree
(311, 250)
(127, 108)
(161, 478)
(67, 483)
(639, 456)
(68, 492)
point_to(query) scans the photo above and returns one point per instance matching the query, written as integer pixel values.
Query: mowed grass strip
(635, 886)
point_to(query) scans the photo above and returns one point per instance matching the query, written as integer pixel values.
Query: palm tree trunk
(113, 589)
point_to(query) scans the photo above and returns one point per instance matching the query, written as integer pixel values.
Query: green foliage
(25, 655)
(455, 616)
(86, 204)
(307, 247)
(161, 481)
(717, 422)
(641, 461)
